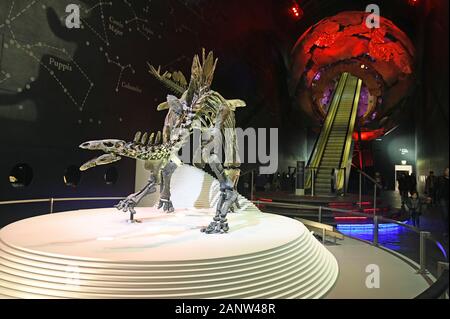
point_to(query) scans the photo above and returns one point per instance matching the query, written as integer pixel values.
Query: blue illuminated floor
(403, 240)
(389, 235)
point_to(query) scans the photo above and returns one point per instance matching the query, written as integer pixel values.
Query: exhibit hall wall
(60, 87)
(432, 104)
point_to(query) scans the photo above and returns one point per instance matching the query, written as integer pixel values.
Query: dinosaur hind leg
(228, 198)
(166, 175)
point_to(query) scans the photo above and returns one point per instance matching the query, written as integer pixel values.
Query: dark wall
(61, 87)
(432, 99)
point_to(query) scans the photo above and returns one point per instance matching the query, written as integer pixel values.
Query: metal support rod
(345, 180)
(295, 183)
(323, 236)
(132, 220)
(360, 189)
(320, 214)
(374, 199)
(312, 181)
(251, 185)
(423, 251)
(441, 266)
(375, 230)
(52, 201)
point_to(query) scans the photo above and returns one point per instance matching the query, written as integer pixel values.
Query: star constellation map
(106, 26)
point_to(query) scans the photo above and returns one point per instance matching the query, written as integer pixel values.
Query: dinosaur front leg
(228, 198)
(132, 200)
(166, 175)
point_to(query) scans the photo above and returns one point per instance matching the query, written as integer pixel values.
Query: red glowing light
(370, 210)
(369, 135)
(295, 10)
(413, 2)
(350, 218)
(261, 199)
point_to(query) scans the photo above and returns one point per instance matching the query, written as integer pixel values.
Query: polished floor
(398, 278)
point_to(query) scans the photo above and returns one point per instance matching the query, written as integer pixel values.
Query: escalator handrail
(326, 128)
(343, 165)
(318, 152)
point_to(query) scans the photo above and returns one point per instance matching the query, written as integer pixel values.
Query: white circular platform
(97, 254)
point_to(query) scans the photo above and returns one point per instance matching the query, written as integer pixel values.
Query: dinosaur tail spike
(203, 55)
(158, 138)
(151, 139)
(144, 138)
(137, 137)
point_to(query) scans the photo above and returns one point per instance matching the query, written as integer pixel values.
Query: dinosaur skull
(110, 147)
(107, 146)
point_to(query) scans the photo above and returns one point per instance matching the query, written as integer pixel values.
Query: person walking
(443, 198)
(430, 187)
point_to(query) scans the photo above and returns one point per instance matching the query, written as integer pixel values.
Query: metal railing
(340, 172)
(376, 186)
(424, 236)
(53, 200)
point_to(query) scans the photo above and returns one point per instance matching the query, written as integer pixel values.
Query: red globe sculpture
(382, 57)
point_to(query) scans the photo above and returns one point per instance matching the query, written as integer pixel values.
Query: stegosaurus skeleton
(198, 107)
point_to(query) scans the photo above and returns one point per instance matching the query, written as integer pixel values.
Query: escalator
(334, 146)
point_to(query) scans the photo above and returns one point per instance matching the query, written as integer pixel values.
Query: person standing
(443, 198)
(403, 187)
(430, 187)
(414, 204)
